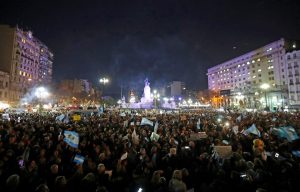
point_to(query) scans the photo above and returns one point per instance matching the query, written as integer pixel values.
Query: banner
(154, 137)
(223, 151)
(76, 117)
(198, 136)
(71, 138)
(78, 159)
(146, 121)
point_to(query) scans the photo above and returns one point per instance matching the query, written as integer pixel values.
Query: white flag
(155, 127)
(146, 121)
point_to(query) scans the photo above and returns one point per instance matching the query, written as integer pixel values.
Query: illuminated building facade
(25, 58)
(239, 80)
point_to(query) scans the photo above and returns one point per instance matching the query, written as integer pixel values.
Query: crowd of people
(121, 154)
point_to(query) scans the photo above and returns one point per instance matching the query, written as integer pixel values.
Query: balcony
(290, 67)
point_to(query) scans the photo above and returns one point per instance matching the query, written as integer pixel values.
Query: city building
(176, 89)
(4, 86)
(25, 58)
(45, 65)
(293, 75)
(239, 81)
(75, 87)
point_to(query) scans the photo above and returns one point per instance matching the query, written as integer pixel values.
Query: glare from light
(265, 86)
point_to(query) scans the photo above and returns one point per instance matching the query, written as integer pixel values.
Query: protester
(200, 150)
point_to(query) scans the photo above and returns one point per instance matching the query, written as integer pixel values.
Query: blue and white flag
(253, 130)
(101, 110)
(60, 117)
(66, 119)
(78, 159)
(296, 153)
(71, 138)
(239, 118)
(155, 127)
(287, 132)
(198, 124)
(146, 121)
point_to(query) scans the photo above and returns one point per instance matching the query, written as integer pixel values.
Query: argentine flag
(287, 132)
(60, 117)
(71, 138)
(146, 121)
(78, 159)
(253, 130)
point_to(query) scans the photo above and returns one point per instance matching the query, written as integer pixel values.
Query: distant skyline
(167, 40)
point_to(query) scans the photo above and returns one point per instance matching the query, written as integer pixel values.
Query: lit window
(239, 65)
(259, 70)
(254, 77)
(253, 61)
(258, 59)
(248, 63)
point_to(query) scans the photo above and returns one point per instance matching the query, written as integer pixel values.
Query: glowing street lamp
(265, 86)
(103, 81)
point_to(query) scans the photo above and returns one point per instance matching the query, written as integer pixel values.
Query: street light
(265, 86)
(103, 81)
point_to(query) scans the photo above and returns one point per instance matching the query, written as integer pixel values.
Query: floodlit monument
(147, 100)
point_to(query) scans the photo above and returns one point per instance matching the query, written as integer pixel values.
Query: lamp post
(265, 86)
(103, 81)
(156, 97)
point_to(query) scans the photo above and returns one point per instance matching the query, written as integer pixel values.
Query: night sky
(163, 40)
